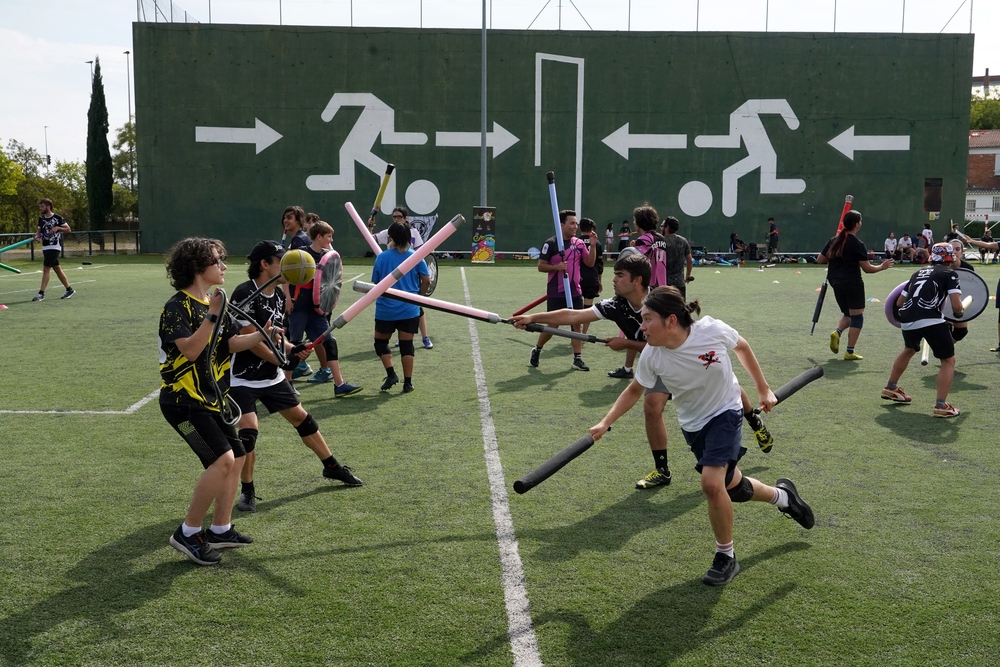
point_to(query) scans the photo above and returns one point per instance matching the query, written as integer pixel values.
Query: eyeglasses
(221, 262)
(397, 216)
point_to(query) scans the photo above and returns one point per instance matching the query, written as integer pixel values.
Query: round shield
(972, 286)
(326, 290)
(432, 270)
(630, 250)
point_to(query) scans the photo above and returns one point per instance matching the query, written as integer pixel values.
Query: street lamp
(91, 63)
(48, 160)
(131, 157)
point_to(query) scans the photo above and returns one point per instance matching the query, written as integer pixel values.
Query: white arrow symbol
(846, 142)
(499, 139)
(620, 141)
(260, 134)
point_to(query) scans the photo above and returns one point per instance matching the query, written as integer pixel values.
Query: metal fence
(77, 244)
(162, 11)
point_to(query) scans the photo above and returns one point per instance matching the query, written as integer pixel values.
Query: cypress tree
(100, 171)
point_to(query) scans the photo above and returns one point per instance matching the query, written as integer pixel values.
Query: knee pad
(308, 426)
(742, 492)
(381, 347)
(958, 333)
(330, 345)
(248, 436)
(857, 321)
(406, 348)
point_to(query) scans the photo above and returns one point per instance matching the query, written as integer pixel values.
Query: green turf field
(409, 570)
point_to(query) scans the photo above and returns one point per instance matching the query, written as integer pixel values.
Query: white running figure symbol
(745, 126)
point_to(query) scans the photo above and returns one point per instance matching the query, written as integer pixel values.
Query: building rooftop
(984, 138)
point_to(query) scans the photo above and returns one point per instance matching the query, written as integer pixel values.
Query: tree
(31, 161)
(100, 174)
(124, 159)
(985, 113)
(11, 174)
(73, 177)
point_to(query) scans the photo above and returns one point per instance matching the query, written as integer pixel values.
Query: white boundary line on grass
(523, 643)
(131, 409)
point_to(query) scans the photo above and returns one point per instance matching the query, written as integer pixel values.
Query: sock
(891, 385)
(188, 531)
(330, 462)
(850, 350)
(725, 549)
(407, 380)
(628, 369)
(247, 488)
(576, 355)
(839, 330)
(42, 292)
(390, 371)
(660, 459)
(220, 530)
(780, 498)
(941, 403)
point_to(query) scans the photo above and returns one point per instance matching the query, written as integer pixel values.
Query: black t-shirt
(618, 310)
(925, 293)
(847, 267)
(591, 275)
(247, 366)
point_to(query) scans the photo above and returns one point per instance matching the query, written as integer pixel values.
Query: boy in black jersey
(195, 380)
(256, 377)
(920, 318)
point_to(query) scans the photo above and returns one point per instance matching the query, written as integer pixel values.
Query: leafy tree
(985, 113)
(11, 174)
(73, 177)
(99, 168)
(124, 160)
(126, 205)
(31, 161)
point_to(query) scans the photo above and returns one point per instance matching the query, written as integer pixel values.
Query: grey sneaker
(723, 569)
(579, 365)
(195, 547)
(38, 297)
(227, 540)
(247, 502)
(68, 294)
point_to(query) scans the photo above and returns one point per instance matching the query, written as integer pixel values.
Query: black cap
(265, 250)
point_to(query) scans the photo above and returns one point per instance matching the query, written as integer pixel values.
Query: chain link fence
(162, 11)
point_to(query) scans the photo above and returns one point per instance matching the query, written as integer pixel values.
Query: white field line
(32, 289)
(523, 643)
(129, 410)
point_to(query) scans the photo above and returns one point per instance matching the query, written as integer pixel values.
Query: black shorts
(410, 326)
(559, 302)
(50, 258)
(938, 336)
(275, 398)
(850, 296)
(204, 431)
(591, 290)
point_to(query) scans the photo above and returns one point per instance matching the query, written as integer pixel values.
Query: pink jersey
(654, 247)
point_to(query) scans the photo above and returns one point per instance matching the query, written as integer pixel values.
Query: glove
(293, 357)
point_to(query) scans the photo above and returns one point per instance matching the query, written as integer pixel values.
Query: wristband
(212, 317)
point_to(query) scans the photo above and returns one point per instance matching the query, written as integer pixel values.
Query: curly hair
(190, 257)
(646, 218)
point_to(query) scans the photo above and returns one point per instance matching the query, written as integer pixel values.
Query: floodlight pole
(131, 156)
(47, 158)
(483, 128)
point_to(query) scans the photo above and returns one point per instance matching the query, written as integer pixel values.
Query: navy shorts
(204, 431)
(718, 443)
(275, 398)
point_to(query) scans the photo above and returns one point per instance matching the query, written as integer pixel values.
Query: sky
(45, 44)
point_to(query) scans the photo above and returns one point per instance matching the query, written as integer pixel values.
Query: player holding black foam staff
(690, 359)
(257, 376)
(631, 284)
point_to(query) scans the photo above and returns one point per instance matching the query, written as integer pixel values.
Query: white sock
(188, 531)
(219, 530)
(780, 498)
(725, 549)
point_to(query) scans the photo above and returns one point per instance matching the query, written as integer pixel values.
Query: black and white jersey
(618, 310)
(248, 369)
(925, 294)
(50, 240)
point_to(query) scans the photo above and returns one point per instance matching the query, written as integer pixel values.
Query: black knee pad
(857, 321)
(742, 492)
(248, 436)
(330, 345)
(958, 333)
(406, 348)
(381, 347)
(307, 427)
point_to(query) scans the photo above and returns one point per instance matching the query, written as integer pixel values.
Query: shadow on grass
(918, 423)
(658, 629)
(959, 383)
(109, 587)
(611, 528)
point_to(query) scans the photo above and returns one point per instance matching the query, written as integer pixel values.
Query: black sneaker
(247, 502)
(195, 548)
(407, 387)
(227, 540)
(533, 359)
(41, 297)
(390, 380)
(723, 569)
(579, 365)
(344, 474)
(621, 374)
(797, 508)
(68, 294)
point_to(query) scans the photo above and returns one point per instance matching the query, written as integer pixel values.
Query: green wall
(785, 94)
